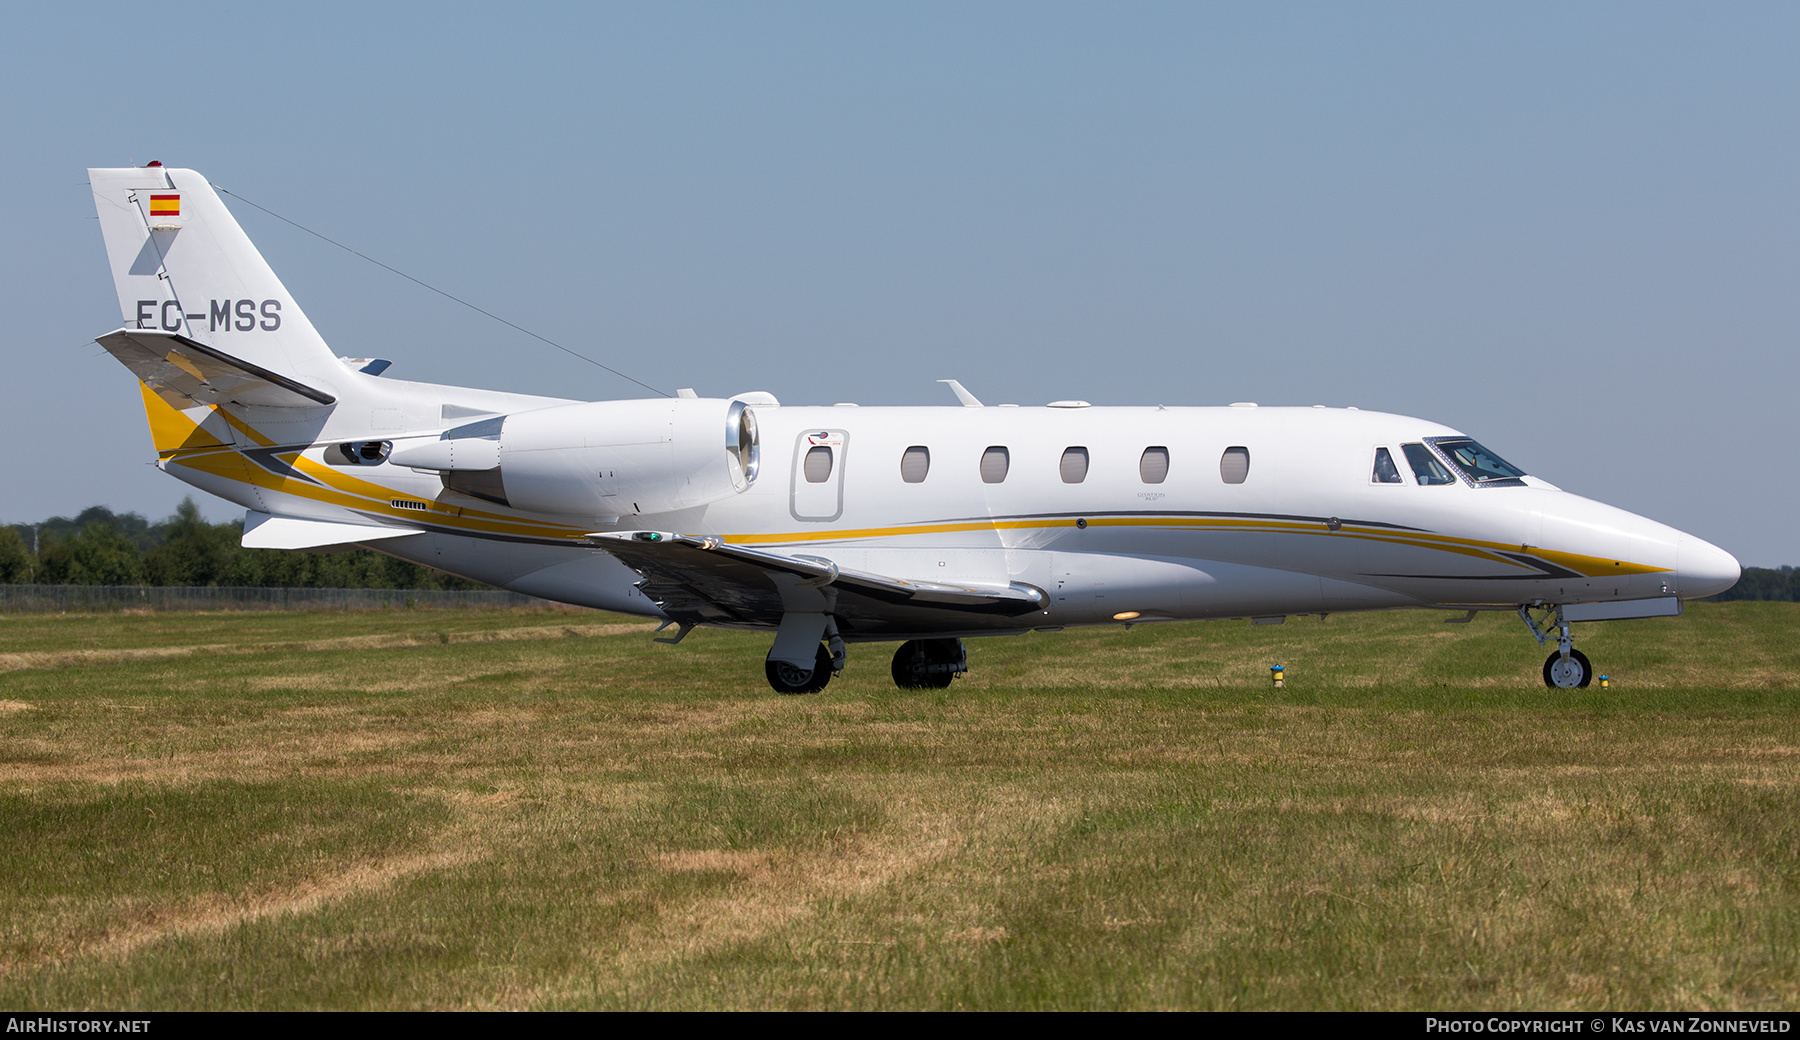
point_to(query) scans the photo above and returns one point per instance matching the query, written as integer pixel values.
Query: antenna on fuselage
(968, 399)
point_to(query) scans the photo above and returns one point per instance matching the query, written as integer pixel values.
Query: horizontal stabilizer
(263, 531)
(185, 373)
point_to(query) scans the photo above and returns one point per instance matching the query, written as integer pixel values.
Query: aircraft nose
(1703, 569)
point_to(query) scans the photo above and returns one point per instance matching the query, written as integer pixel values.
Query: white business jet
(840, 525)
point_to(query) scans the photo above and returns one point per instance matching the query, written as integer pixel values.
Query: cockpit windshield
(1482, 467)
(1425, 466)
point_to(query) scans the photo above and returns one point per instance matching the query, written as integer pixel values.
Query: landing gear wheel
(1570, 674)
(785, 678)
(929, 664)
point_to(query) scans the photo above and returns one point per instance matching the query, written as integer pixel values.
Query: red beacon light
(151, 163)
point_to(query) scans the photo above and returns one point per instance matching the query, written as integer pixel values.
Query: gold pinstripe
(1589, 566)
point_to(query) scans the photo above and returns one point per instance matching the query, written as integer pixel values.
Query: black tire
(928, 664)
(785, 678)
(1571, 679)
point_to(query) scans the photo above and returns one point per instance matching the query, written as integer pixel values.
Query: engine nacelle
(601, 459)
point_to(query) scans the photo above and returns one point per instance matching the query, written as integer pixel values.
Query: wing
(705, 581)
(186, 373)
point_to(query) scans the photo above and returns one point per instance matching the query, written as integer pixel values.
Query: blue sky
(1570, 230)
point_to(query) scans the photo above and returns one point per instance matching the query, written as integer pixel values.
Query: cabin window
(1234, 465)
(1481, 466)
(994, 463)
(1153, 465)
(818, 464)
(1425, 465)
(915, 462)
(1385, 470)
(1074, 465)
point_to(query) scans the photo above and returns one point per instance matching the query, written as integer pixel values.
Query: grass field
(543, 809)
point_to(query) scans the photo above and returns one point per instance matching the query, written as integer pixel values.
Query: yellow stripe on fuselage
(243, 427)
(1590, 566)
(181, 441)
(171, 430)
(455, 516)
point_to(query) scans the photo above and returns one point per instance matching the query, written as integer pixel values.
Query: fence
(56, 598)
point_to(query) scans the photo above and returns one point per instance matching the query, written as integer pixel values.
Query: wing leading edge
(706, 581)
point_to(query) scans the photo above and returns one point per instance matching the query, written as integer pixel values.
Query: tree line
(1766, 583)
(100, 547)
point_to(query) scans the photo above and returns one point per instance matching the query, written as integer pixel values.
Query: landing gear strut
(929, 664)
(1567, 668)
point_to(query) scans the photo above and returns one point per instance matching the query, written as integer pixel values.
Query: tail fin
(184, 269)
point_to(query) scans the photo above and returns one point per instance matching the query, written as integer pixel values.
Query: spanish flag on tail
(165, 205)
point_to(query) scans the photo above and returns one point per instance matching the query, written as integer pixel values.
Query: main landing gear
(929, 664)
(1567, 668)
(786, 678)
(787, 665)
(919, 664)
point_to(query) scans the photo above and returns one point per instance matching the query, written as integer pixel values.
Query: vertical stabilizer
(184, 267)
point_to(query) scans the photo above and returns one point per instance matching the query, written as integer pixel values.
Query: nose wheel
(1567, 668)
(1567, 673)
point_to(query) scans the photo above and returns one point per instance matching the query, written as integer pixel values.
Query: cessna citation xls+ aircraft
(831, 526)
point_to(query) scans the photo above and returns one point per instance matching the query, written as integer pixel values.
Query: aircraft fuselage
(1308, 529)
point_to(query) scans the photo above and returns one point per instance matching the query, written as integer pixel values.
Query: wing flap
(186, 373)
(708, 581)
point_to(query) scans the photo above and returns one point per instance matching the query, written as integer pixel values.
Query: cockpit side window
(1482, 467)
(1425, 465)
(1385, 470)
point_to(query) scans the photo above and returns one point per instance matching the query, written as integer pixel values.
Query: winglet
(968, 399)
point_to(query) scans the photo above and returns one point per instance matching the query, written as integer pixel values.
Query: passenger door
(818, 488)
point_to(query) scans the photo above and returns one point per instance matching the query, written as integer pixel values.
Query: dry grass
(211, 918)
(376, 641)
(490, 814)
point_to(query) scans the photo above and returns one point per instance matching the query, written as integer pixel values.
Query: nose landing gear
(1567, 668)
(1567, 673)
